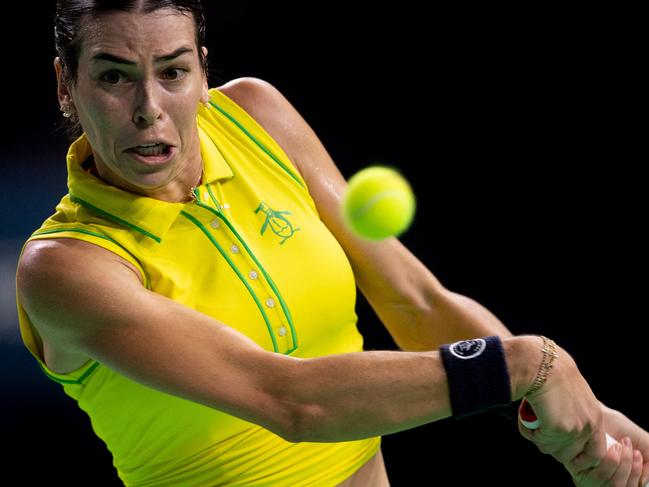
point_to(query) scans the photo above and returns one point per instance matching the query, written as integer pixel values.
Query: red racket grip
(526, 415)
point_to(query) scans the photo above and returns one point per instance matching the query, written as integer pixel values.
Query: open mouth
(151, 149)
(152, 154)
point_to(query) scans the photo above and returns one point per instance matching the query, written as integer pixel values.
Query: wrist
(477, 375)
(524, 355)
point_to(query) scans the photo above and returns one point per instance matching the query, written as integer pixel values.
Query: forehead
(137, 33)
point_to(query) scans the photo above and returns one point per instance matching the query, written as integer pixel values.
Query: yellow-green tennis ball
(378, 203)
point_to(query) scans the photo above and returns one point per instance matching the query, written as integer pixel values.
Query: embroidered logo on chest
(277, 221)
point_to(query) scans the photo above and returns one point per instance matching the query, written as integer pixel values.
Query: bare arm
(80, 298)
(417, 310)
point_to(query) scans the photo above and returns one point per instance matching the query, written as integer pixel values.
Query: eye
(174, 74)
(112, 77)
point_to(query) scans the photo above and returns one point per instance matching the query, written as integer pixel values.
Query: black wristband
(477, 373)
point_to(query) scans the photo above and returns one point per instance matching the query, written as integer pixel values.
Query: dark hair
(67, 24)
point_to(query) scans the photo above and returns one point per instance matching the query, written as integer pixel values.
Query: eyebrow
(104, 56)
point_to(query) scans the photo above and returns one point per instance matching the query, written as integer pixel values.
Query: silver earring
(66, 110)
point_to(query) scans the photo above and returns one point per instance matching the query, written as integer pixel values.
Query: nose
(147, 107)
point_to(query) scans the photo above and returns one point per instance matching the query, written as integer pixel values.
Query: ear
(62, 91)
(205, 96)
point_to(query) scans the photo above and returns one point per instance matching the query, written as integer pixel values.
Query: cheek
(101, 116)
(184, 117)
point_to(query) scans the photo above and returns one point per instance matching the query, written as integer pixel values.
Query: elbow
(298, 423)
(296, 431)
(290, 412)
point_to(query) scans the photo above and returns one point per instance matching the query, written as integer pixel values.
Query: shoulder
(252, 93)
(44, 261)
(273, 111)
(64, 285)
(261, 100)
(53, 271)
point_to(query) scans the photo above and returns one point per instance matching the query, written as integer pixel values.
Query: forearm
(417, 310)
(359, 395)
(447, 318)
(454, 317)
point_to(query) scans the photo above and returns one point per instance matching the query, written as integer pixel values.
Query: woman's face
(137, 92)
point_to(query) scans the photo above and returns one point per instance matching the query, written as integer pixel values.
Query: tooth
(151, 149)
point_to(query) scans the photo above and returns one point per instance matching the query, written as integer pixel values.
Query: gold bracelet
(549, 354)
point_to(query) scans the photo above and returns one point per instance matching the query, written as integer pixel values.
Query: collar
(149, 216)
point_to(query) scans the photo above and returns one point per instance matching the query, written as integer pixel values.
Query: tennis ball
(378, 203)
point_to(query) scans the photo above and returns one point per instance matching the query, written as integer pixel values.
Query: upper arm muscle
(89, 303)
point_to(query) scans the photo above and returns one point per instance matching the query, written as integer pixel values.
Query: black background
(520, 131)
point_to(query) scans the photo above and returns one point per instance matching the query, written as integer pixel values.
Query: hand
(621, 467)
(570, 416)
(618, 426)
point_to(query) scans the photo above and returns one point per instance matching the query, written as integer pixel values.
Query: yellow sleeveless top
(250, 251)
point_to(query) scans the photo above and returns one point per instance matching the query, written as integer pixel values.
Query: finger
(645, 473)
(583, 461)
(590, 457)
(636, 470)
(593, 452)
(603, 473)
(621, 475)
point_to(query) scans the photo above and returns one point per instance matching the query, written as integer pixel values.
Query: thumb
(583, 461)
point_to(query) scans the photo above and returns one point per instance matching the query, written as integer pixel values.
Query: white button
(270, 302)
(215, 224)
(225, 206)
(253, 275)
(282, 331)
(234, 249)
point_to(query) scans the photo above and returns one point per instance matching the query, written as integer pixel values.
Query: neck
(176, 187)
(178, 190)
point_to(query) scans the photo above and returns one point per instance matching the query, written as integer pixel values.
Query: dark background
(519, 129)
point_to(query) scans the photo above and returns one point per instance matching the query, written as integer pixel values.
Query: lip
(152, 160)
(150, 141)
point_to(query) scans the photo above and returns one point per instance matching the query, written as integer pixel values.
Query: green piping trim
(270, 281)
(78, 381)
(99, 235)
(238, 273)
(281, 300)
(261, 146)
(209, 190)
(76, 199)
(197, 193)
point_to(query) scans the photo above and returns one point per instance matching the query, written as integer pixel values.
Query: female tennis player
(194, 291)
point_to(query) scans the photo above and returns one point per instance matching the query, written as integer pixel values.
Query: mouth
(154, 153)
